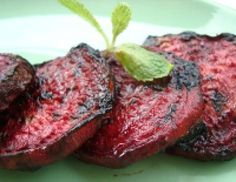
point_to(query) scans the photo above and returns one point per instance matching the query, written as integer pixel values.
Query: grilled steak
(16, 76)
(146, 117)
(216, 57)
(61, 114)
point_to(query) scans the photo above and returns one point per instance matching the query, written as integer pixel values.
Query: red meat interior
(216, 58)
(69, 92)
(142, 115)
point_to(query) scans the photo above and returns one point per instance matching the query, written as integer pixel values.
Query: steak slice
(16, 76)
(216, 57)
(74, 93)
(147, 117)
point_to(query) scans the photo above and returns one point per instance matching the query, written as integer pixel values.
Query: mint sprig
(140, 63)
(78, 8)
(120, 19)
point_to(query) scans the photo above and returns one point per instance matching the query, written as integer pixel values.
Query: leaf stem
(113, 42)
(108, 45)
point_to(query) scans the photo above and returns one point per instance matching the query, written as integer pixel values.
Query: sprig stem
(140, 63)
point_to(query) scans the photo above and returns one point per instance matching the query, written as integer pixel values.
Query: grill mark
(27, 112)
(171, 110)
(47, 95)
(218, 100)
(142, 111)
(196, 132)
(189, 77)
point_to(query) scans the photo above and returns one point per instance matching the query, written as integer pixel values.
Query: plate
(43, 30)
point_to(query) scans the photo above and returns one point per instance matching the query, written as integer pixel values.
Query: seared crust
(146, 117)
(65, 110)
(216, 57)
(16, 76)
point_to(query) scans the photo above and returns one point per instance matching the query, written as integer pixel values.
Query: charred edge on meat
(26, 85)
(195, 133)
(185, 74)
(187, 36)
(104, 105)
(16, 69)
(95, 54)
(170, 112)
(105, 102)
(158, 84)
(218, 100)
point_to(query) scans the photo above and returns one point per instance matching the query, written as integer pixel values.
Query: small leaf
(78, 8)
(121, 17)
(142, 64)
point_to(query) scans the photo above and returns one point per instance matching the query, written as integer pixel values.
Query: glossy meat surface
(146, 117)
(73, 93)
(216, 58)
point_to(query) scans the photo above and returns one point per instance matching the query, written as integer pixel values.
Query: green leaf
(142, 64)
(121, 17)
(78, 8)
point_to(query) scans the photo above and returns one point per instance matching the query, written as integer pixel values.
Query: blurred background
(153, 11)
(41, 24)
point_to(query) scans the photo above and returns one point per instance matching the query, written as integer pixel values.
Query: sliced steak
(16, 76)
(74, 93)
(216, 57)
(146, 117)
